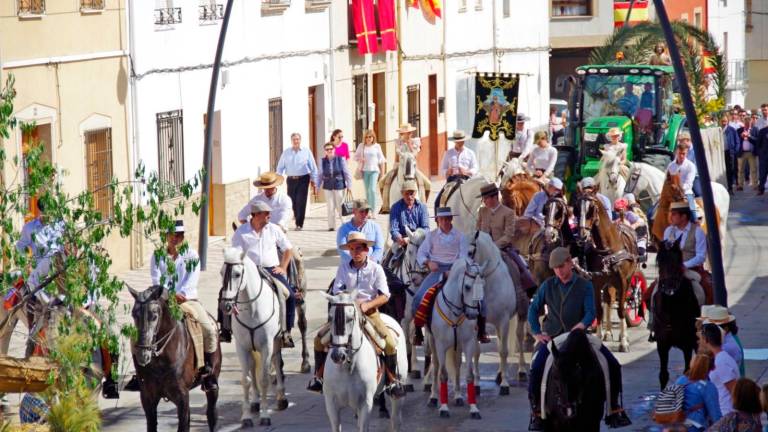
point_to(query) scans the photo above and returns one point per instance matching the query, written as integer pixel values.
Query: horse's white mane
(486, 246)
(609, 155)
(233, 255)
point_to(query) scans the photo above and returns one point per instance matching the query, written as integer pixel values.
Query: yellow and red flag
(708, 62)
(638, 14)
(387, 25)
(364, 22)
(432, 7)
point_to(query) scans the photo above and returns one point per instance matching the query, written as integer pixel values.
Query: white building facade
(756, 27)
(726, 21)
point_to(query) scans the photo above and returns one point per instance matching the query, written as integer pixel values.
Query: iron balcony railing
(167, 16)
(92, 4)
(211, 12)
(31, 7)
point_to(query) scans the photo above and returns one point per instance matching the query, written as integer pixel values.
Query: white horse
(255, 310)
(500, 305)
(614, 176)
(351, 375)
(509, 169)
(465, 202)
(453, 332)
(407, 169)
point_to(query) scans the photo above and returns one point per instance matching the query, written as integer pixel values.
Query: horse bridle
(158, 345)
(549, 221)
(228, 281)
(461, 308)
(337, 326)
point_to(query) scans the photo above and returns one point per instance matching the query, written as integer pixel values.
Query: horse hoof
(475, 416)
(445, 414)
(414, 374)
(409, 388)
(383, 414)
(265, 422)
(282, 404)
(255, 407)
(432, 403)
(503, 391)
(305, 367)
(428, 388)
(459, 402)
(477, 389)
(498, 378)
(522, 376)
(247, 423)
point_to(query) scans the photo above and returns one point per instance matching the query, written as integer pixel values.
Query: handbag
(346, 204)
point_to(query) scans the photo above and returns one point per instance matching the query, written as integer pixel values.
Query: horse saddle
(195, 331)
(595, 344)
(423, 311)
(634, 176)
(274, 283)
(448, 190)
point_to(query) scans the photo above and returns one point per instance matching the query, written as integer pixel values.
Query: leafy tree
(143, 205)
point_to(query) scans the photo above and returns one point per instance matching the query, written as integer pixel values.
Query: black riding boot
(394, 387)
(482, 335)
(133, 384)
(536, 423)
(209, 377)
(617, 418)
(418, 337)
(109, 390)
(316, 383)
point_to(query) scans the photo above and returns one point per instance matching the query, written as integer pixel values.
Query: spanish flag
(432, 7)
(364, 22)
(621, 9)
(708, 63)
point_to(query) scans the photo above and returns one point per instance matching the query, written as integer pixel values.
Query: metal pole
(399, 64)
(713, 234)
(202, 247)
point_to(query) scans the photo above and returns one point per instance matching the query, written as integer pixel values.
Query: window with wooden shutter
(414, 108)
(275, 132)
(98, 153)
(170, 148)
(31, 7)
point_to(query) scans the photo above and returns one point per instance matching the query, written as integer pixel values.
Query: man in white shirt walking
(686, 169)
(260, 240)
(280, 203)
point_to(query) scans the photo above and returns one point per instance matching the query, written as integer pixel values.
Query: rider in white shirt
(184, 284)
(260, 240)
(686, 169)
(459, 162)
(522, 144)
(281, 204)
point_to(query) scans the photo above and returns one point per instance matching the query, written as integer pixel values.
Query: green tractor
(638, 99)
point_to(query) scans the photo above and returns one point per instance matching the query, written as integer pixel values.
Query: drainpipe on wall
(445, 71)
(331, 66)
(132, 142)
(399, 66)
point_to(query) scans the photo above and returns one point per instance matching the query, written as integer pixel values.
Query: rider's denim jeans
(290, 304)
(692, 205)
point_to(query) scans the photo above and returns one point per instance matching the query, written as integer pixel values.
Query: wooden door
(312, 109)
(434, 139)
(380, 101)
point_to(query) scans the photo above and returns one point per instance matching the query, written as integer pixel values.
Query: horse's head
(555, 215)
(415, 272)
(510, 169)
(147, 314)
(610, 165)
(588, 217)
(574, 367)
(407, 165)
(471, 285)
(669, 259)
(345, 316)
(673, 188)
(232, 279)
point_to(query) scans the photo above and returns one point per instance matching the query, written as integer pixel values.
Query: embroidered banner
(365, 26)
(387, 25)
(496, 108)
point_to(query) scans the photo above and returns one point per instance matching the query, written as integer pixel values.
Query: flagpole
(399, 66)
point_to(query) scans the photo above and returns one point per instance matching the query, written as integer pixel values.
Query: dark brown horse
(164, 357)
(610, 251)
(555, 232)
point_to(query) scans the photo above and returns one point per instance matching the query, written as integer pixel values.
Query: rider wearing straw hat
(693, 243)
(367, 279)
(459, 162)
(280, 203)
(405, 144)
(408, 213)
(615, 145)
(720, 315)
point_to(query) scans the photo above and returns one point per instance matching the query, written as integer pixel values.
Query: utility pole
(202, 246)
(713, 234)
(399, 65)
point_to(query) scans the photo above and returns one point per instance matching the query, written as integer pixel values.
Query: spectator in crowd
(746, 154)
(341, 147)
(761, 146)
(747, 409)
(334, 179)
(700, 403)
(726, 370)
(764, 402)
(659, 56)
(556, 124)
(371, 163)
(298, 164)
(731, 147)
(719, 315)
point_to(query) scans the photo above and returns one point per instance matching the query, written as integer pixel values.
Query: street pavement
(746, 280)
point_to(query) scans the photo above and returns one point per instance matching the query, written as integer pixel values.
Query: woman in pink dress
(342, 148)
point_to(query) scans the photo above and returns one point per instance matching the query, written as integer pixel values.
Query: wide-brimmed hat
(522, 118)
(268, 179)
(260, 206)
(614, 131)
(356, 237)
(558, 257)
(680, 206)
(489, 190)
(716, 314)
(406, 127)
(458, 135)
(409, 185)
(444, 212)
(361, 204)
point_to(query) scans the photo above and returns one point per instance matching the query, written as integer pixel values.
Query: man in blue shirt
(407, 212)
(570, 305)
(361, 223)
(298, 164)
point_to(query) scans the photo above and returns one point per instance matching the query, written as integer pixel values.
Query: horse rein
(158, 345)
(228, 276)
(349, 345)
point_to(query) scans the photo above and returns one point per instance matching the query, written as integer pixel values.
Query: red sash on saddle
(706, 283)
(423, 315)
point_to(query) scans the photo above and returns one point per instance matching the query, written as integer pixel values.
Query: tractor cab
(638, 99)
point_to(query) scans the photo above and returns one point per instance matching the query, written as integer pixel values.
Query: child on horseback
(570, 303)
(365, 277)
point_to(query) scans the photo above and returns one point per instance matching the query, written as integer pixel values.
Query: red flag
(708, 62)
(434, 6)
(365, 26)
(412, 3)
(387, 25)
